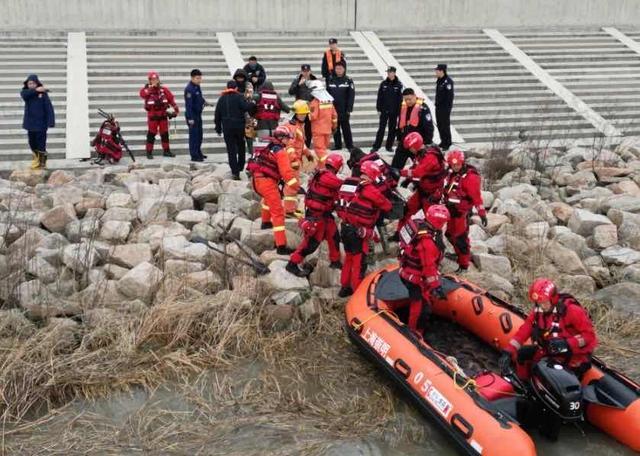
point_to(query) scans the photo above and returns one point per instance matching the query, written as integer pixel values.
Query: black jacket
(425, 124)
(444, 94)
(343, 92)
(325, 65)
(242, 86)
(230, 111)
(389, 96)
(301, 92)
(258, 70)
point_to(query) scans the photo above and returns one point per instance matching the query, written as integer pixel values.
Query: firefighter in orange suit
(324, 120)
(296, 149)
(269, 167)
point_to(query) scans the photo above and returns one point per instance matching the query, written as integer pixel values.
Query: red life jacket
(454, 194)
(361, 211)
(414, 117)
(108, 141)
(320, 197)
(268, 106)
(346, 194)
(411, 234)
(263, 162)
(157, 101)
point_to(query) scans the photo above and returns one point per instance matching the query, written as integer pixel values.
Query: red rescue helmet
(413, 141)
(543, 290)
(281, 133)
(370, 169)
(455, 157)
(437, 216)
(153, 75)
(335, 161)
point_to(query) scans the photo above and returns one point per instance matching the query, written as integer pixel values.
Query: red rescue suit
(156, 102)
(462, 192)
(268, 167)
(358, 227)
(421, 251)
(389, 182)
(566, 320)
(428, 172)
(320, 225)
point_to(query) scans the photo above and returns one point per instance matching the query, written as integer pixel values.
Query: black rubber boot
(295, 270)
(150, 155)
(284, 250)
(266, 225)
(344, 292)
(168, 153)
(336, 265)
(395, 237)
(462, 269)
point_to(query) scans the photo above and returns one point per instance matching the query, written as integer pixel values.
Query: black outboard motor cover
(558, 389)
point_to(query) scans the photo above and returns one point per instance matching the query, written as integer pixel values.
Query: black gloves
(483, 219)
(558, 346)
(438, 293)
(504, 362)
(526, 353)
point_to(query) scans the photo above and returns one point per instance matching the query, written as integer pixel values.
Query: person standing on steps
(39, 116)
(414, 116)
(194, 103)
(300, 89)
(331, 58)
(253, 68)
(444, 105)
(324, 120)
(231, 110)
(240, 76)
(343, 91)
(269, 105)
(388, 107)
(157, 100)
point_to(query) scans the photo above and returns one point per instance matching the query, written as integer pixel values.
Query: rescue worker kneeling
(319, 224)
(269, 166)
(421, 251)
(558, 326)
(358, 226)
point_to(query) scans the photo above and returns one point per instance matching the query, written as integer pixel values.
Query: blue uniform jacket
(193, 101)
(38, 111)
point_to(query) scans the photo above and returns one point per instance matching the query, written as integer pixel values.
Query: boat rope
(357, 326)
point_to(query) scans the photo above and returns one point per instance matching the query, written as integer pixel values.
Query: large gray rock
(181, 267)
(130, 255)
(203, 281)
(207, 193)
(494, 222)
(583, 222)
(623, 297)
(491, 282)
(173, 186)
(119, 214)
(41, 269)
(80, 257)
(280, 279)
(190, 217)
(627, 203)
(631, 273)
(142, 190)
(620, 256)
(579, 285)
(536, 230)
(114, 231)
(40, 303)
(141, 282)
(87, 228)
(119, 199)
(565, 260)
(153, 210)
(516, 190)
(57, 218)
(27, 244)
(492, 263)
(229, 202)
(604, 236)
(155, 233)
(177, 247)
(204, 231)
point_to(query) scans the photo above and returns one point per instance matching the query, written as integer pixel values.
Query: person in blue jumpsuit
(194, 103)
(38, 117)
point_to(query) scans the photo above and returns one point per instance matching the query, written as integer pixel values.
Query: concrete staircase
(20, 55)
(282, 55)
(117, 69)
(595, 66)
(497, 100)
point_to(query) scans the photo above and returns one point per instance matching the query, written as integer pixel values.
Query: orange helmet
(335, 161)
(437, 216)
(455, 157)
(543, 290)
(413, 141)
(371, 170)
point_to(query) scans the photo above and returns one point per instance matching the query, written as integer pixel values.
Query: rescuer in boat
(421, 251)
(462, 192)
(558, 326)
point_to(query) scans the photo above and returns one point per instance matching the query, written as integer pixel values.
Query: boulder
(620, 256)
(583, 222)
(492, 263)
(536, 230)
(324, 276)
(280, 279)
(207, 193)
(141, 282)
(181, 267)
(87, 227)
(494, 222)
(578, 285)
(130, 255)
(119, 214)
(491, 282)
(27, 176)
(114, 231)
(605, 173)
(204, 231)
(173, 186)
(80, 257)
(278, 317)
(14, 325)
(153, 210)
(203, 281)
(626, 187)
(114, 271)
(57, 218)
(627, 203)
(310, 310)
(230, 202)
(155, 233)
(259, 240)
(177, 247)
(287, 297)
(40, 303)
(623, 297)
(27, 244)
(476, 233)
(118, 199)
(60, 177)
(604, 236)
(564, 259)
(631, 273)
(190, 217)
(513, 191)
(41, 269)
(143, 190)
(86, 204)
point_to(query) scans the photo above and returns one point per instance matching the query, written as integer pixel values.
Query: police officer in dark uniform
(194, 104)
(343, 91)
(444, 104)
(388, 106)
(300, 91)
(414, 116)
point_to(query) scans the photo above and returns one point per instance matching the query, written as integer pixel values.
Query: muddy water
(178, 419)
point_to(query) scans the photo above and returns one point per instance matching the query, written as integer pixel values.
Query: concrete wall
(310, 15)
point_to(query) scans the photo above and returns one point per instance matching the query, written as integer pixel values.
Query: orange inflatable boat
(474, 412)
